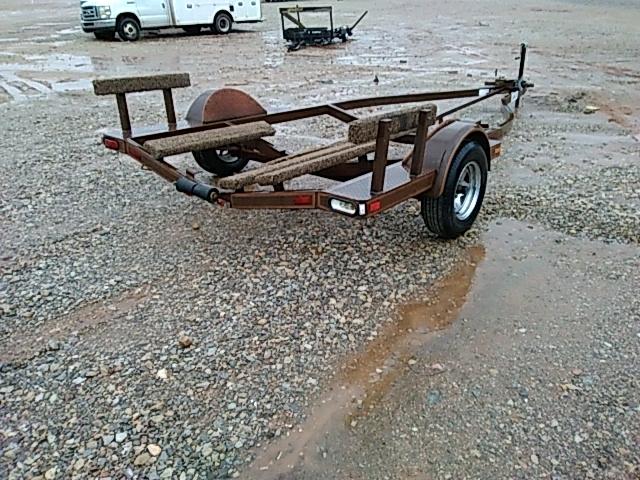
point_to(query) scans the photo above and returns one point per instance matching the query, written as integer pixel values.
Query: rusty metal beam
(380, 160)
(123, 111)
(407, 98)
(420, 142)
(340, 114)
(168, 106)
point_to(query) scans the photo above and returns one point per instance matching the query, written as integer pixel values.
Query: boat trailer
(446, 168)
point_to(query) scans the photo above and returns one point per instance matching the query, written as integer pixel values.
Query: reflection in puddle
(368, 376)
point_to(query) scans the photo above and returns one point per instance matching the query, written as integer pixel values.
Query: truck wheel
(453, 213)
(222, 23)
(105, 35)
(219, 162)
(129, 29)
(192, 29)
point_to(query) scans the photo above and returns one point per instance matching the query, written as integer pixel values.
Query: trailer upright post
(168, 105)
(420, 142)
(123, 111)
(380, 160)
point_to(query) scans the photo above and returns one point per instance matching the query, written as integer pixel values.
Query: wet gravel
(544, 390)
(147, 335)
(96, 304)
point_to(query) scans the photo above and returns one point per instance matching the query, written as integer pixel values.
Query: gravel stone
(142, 459)
(154, 449)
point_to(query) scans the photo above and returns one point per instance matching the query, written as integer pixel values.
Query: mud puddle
(369, 375)
(342, 430)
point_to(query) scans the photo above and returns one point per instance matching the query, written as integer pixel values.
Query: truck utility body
(129, 17)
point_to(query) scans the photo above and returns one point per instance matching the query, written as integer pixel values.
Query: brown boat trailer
(446, 169)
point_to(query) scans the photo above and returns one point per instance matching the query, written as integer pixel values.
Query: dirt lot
(511, 353)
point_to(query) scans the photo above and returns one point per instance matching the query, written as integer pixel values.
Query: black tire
(439, 214)
(222, 23)
(192, 29)
(129, 29)
(219, 162)
(107, 35)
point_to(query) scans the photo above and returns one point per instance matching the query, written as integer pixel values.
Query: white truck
(105, 18)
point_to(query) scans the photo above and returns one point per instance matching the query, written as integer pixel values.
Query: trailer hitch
(197, 189)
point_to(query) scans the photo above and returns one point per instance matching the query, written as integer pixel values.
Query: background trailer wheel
(219, 162)
(453, 213)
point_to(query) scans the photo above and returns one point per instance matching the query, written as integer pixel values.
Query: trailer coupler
(200, 190)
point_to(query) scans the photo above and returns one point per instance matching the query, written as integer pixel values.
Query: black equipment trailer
(299, 35)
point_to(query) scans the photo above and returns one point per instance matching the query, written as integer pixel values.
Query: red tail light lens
(111, 144)
(375, 206)
(303, 200)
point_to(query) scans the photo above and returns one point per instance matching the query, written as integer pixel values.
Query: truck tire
(107, 35)
(219, 162)
(129, 29)
(222, 23)
(453, 213)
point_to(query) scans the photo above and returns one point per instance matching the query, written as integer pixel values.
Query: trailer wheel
(129, 29)
(453, 213)
(219, 162)
(222, 23)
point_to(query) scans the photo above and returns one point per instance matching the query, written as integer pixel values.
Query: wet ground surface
(413, 403)
(510, 353)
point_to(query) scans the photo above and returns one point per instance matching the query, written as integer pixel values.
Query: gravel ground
(147, 335)
(533, 379)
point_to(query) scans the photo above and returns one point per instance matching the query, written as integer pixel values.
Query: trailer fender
(444, 144)
(222, 105)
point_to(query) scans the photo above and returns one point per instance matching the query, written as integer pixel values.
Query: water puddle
(369, 375)
(50, 75)
(71, 86)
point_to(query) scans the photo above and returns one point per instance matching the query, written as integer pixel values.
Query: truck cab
(128, 18)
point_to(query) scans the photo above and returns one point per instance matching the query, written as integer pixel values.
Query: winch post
(523, 57)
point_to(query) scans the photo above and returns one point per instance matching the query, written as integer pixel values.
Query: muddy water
(369, 375)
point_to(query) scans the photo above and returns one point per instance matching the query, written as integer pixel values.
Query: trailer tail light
(303, 200)
(375, 206)
(111, 144)
(343, 207)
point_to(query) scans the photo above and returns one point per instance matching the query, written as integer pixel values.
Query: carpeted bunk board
(366, 129)
(308, 162)
(111, 86)
(361, 140)
(248, 177)
(206, 139)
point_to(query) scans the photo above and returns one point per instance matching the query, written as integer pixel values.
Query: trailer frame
(362, 188)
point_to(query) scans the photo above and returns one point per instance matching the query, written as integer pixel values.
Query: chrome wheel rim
(223, 24)
(129, 30)
(467, 191)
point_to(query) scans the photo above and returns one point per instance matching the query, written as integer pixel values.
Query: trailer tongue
(446, 168)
